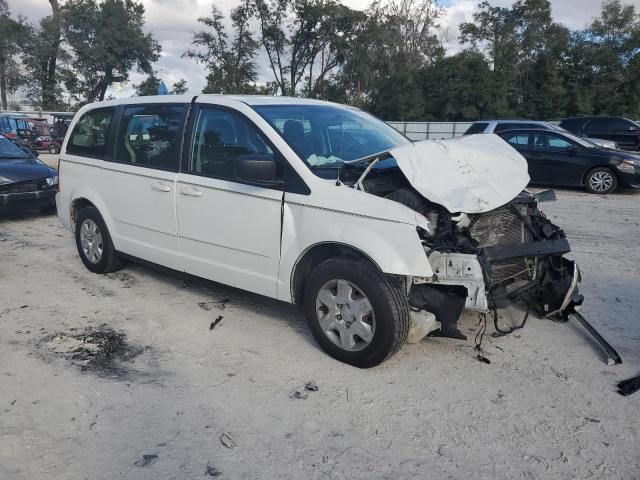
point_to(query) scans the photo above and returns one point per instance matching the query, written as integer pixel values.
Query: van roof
(246, 99)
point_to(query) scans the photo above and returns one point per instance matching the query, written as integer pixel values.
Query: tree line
(390, 59)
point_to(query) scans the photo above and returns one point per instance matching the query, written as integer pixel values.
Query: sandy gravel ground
(198, 402)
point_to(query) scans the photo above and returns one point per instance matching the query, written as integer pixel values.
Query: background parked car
(47, 143)
(625, 132)
(495, 126)
(558, 158)
(25, 182)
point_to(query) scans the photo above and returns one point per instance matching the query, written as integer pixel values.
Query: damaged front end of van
(486, 240)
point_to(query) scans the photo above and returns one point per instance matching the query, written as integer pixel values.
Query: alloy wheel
(601, 181)
(91, 241)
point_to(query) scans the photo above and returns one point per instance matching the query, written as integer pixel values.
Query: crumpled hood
(470, 174)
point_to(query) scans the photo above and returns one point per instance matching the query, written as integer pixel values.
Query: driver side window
(219, 137)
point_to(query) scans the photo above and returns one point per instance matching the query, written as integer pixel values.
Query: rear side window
(477, 127)
(89, 136)
(596, 125)
(219, 137)
(513, 126)
(574, 125)
(150, 136)
(517, 139)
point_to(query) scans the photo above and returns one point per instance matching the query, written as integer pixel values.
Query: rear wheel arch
(314, 256)
(77, 205)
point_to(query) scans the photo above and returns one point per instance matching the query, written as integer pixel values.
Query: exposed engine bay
(489, 254)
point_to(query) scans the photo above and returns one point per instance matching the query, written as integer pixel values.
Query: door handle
(160, 187)
(192, 192)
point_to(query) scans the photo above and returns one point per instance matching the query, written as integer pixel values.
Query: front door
(566, 160)
(229, 231)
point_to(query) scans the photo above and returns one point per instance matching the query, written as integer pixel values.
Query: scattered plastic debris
(311, 386)
(208, 306)
(212, 471)
(483, 359)
(302, 393)
(227, 440)
(215, 322)
(147, 459)
(627, 387)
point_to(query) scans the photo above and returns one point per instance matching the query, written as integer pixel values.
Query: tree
(298, 35)
(458, 88)
(44, 61)
(149, 86)
(180, 87)
(43, 54)
(387, 52)
(107, 40)
(525, 49)
(12, 32)
(231, 65)
(614, 47)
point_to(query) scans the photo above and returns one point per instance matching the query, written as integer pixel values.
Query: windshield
(9, 150)
(327, 136)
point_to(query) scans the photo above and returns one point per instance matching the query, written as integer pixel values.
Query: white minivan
(379, 240)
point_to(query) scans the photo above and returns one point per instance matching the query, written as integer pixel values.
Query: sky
(173, 23)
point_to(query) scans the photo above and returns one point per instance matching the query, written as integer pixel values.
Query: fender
(392, 245)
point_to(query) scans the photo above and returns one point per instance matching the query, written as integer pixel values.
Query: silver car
(495, 126)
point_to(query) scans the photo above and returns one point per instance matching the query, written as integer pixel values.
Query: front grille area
(23, 187)
(502, 227)
(499, 227)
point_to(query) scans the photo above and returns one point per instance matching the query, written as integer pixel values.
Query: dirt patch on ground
(101, 350)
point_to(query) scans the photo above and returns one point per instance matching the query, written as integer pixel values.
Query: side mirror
(572, 149)
(632, 128)
(258, 169)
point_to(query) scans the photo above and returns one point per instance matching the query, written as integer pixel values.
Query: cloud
(173, 22)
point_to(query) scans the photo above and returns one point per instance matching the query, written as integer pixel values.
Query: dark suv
(625, 132)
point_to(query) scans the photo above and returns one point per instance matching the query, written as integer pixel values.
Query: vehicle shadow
(25, 215)
(221, 294)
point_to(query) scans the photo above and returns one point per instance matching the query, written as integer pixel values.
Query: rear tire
(53, 149)
(386, 326)
(94, 242)
(601, 180)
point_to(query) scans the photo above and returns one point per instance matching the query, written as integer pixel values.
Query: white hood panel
(470, 174)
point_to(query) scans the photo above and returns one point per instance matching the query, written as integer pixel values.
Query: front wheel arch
(314, 256)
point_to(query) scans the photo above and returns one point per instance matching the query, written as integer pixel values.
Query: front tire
(94, 242)
(357, 314)
(601, 180)
(53, 149)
